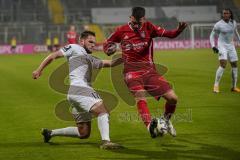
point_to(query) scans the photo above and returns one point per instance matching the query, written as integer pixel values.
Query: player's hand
(215, 50)
(181, 26)
(36, 74)
(110, 48)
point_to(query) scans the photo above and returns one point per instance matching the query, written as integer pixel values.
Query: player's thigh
(136, 87)
(156, 85)
(82, 102)
(232, 54)
(223, 53)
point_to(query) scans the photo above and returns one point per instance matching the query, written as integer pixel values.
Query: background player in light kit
(225, 29)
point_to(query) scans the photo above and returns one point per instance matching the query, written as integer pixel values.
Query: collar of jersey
(129, 24)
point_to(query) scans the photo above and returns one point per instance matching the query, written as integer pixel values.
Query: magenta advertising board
(23, 49)
(26, 49)
(158, 45)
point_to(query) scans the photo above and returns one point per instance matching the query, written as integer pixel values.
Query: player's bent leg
(144, 112)
(142, 107)
(170, 108)
(84, 129)
(219, 73)
(63, 132)
(234, 77)
(99, 110)
(158, 86)
(135, 85)
(170, 105)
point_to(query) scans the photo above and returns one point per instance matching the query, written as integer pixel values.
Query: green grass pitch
(207, 124)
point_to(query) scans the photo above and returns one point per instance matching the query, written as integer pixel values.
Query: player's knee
(99, 108)
(84, 134)
(139, 95)
(223, 64)
(172, 99)
(138, 99)
(234, 64)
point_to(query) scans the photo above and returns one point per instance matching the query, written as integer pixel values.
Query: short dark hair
(85, 34)
(138, 12)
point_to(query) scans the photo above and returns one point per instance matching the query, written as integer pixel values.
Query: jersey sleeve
(115, 36)
(214, 33)
(156, 31)
(67, 50)
(96, 62)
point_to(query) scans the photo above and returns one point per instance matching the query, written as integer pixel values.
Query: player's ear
(131, 18)
(81, 41)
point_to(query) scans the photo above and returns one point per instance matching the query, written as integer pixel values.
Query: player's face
(135, 24)
(89, 43)
(72, 28)
(226, 15)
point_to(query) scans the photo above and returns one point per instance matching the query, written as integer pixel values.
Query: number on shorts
(95, 95)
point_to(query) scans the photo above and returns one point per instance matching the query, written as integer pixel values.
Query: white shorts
(227, 52)
(81, 101)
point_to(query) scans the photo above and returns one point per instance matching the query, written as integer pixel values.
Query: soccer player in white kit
(225, 29)
(85, 102)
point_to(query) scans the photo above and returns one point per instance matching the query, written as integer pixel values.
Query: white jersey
(80, 65)
(225, 32)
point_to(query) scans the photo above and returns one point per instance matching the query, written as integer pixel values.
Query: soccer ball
(161, 128)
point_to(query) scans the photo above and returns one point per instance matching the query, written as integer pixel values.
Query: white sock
(67, 132)
(234, 76)
(103, 125)
(219, 74)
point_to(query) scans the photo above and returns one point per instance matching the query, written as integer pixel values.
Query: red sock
(169, 110)
(144, 112)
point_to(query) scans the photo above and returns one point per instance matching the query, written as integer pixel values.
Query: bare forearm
(45, 63)
(171, 33)
(116, 62)
(112, 63)
(174, 33)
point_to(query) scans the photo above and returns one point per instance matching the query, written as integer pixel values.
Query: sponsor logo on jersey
(126, 37)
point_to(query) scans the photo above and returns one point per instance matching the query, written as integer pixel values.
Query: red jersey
(137, 46)
(72, 37)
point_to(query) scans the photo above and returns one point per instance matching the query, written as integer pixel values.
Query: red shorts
(149, 81)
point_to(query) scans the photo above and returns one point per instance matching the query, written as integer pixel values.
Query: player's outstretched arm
(112, 63)
(37, 73)
(174, 33)
(110, 46)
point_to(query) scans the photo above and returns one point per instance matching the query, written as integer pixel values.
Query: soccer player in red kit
(72, 35)
(140, 75)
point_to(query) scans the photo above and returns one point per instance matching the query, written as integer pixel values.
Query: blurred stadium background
(33, 21)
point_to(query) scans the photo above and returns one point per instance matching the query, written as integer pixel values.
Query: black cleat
(152, 128)
(46, 135)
